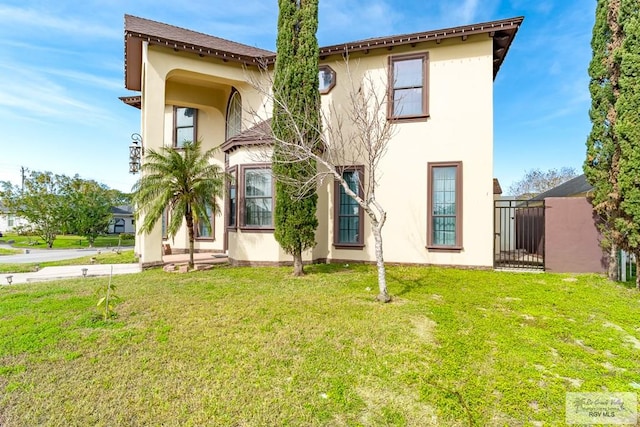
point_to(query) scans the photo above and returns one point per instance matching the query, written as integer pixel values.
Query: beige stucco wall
(460, 128)
(257, 246)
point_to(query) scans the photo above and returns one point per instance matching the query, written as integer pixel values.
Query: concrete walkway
(68, 272)
(44, 255)
(93, 270)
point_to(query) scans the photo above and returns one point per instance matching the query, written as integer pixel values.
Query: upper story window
(257, 197)
(234, 114)
(185, 125)
(408, 86)
(445, 205)
(327, 79)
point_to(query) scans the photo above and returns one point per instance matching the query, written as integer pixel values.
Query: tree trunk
(612, 271)
(189, 219)
(298, 267)
(383, 296)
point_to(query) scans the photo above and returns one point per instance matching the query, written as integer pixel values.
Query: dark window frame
(234, 92)
(119, 225)
(241, 200)
(336, 210)
(425, 87)
(231, 182)
(459, 207)
(175, 125)
(164, 227)
(333, 82)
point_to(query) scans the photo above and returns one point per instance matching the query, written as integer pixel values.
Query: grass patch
(255, 346)
(4, 251)
(124, 257)
(63, 241)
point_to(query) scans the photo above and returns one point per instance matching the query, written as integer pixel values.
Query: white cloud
(35, 96)
(467, 11)
(38, 20)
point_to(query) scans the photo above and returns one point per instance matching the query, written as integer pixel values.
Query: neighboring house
(575, 187)
(9, 221)
(436, 182)
(123, 220)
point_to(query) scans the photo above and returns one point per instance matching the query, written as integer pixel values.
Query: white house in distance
(9, 221)
(436, 184)
(123, 220)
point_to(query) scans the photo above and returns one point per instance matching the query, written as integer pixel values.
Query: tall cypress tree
(601, 166)
(296, 119)
(613, 148)
(627, 129)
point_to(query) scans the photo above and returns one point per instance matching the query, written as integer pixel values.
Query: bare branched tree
(355, 132)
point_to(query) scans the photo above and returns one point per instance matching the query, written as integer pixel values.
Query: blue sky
(61, 68)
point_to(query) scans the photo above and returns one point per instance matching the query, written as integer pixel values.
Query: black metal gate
(518, 234)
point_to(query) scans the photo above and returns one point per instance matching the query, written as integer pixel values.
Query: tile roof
(158, 31)
(122, 210)
(502, 31)
(138, 30)
(255, 135)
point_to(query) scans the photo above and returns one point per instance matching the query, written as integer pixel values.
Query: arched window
(234, 114)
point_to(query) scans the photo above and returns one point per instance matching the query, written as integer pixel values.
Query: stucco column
(153, 103)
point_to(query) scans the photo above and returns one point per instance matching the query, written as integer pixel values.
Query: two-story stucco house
(436, 182)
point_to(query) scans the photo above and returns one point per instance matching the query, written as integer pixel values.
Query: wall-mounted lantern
(136, 151)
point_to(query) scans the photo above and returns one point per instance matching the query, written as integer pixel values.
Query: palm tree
(184, 182)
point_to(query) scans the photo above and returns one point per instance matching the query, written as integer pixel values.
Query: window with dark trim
(232, 197)
(165, 224)
(348, 225)
(408, 87)
(256, 201)
(185, 121)
(200, 226)
(326, 79)
(234, 114)
(444, 205)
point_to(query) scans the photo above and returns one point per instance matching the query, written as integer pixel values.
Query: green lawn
(63, 241)
(106, 257)
(4, 251)
(257, 347)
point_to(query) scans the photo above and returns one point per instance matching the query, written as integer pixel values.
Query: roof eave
(502, 32)
(133, 55)
(134, 101)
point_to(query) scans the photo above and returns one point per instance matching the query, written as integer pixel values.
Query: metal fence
(519, 234)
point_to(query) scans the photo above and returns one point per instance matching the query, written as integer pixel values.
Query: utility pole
(23, 172)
